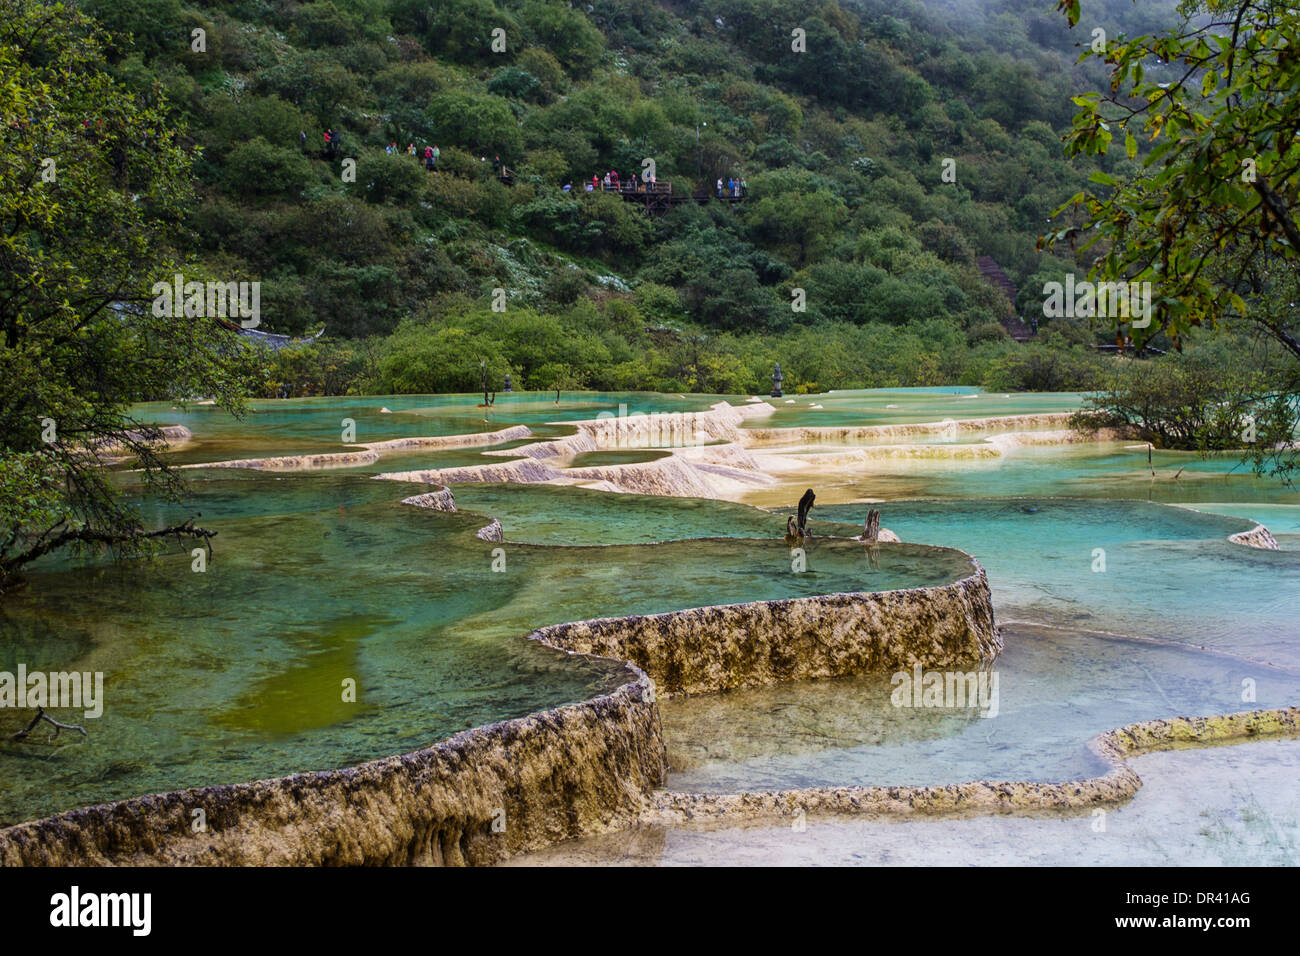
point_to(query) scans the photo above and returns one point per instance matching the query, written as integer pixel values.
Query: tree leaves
(78, 340)
(1215, 204)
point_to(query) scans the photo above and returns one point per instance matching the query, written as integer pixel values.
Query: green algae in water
(602, 459)
(1108, 470)
(578, 516)
(314, 690)
(236, 673)
(215, 678)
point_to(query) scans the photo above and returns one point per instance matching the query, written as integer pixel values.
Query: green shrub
(261, 169)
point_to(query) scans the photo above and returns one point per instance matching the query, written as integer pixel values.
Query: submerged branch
(58, 535)
(58, 725)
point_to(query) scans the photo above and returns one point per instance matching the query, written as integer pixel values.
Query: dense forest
(894, 173)
(842, 147)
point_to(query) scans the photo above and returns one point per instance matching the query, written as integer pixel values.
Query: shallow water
(1126, 567)
(1075, 577)
(1055, 690)
(906, 405)
(1099, 470)
(235, 673)
(311, 426)
(600, 459)
(1242, 812)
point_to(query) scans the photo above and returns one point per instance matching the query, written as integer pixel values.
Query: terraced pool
(1117, 604)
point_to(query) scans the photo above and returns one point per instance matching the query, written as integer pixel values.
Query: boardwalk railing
(657, 197)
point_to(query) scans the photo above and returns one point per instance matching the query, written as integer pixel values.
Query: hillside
(842, 150)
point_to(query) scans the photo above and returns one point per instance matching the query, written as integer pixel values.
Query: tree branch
(1277, 206)
(49, 541)
(42, 715)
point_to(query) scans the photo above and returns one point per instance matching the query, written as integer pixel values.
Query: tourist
(719, 187)
(410, 149)
(744, 189)
(568, 187)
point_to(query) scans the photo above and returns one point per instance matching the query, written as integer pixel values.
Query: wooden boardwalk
(655, 198)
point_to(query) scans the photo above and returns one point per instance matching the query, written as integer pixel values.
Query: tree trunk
(871, 530)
